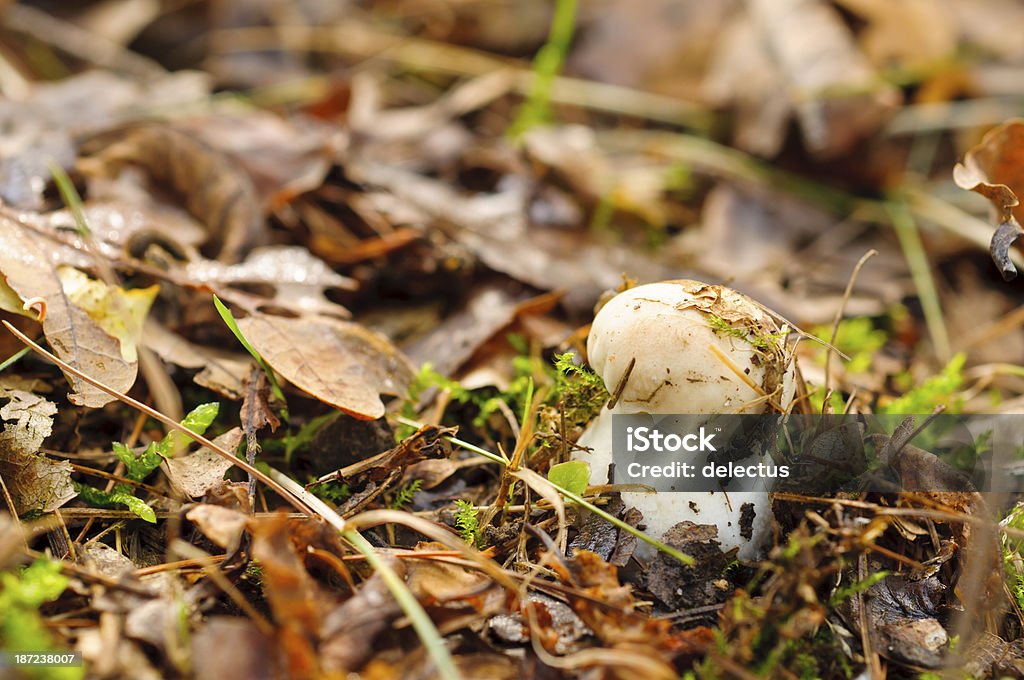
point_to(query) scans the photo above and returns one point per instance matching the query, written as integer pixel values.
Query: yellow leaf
(11, 302)
(119, 312)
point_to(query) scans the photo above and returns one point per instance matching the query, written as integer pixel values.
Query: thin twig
(620, 386)
(839, 313)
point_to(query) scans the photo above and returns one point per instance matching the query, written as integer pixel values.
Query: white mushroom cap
(669, 328)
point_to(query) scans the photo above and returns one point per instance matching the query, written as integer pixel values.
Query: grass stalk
(913, 250)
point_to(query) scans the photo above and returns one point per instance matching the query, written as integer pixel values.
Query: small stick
(839, 315)
(621, 386)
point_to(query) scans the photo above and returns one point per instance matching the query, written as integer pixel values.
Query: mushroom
(687, 347)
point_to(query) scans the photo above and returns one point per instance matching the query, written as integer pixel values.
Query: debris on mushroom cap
(698, 348)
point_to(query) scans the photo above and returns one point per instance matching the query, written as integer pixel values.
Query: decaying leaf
(616, 621)
(284, 157)
(427, 443)
(222, 371)
(351, 629)
(40, 126)
(566, 626)
(198, 472)
(686, 587)
(834, 91)
(221, 525)
(29, 420)
(911, 34)
(34, 481)
(252, 654)
(100, 558)
(437, 582)
(121, 313)
(299, 280)
(291, 592)
(453, 341)
(902, 621)
(495, 228)
(995, 169)
(74, 336)
(338, 362)
(216, 191)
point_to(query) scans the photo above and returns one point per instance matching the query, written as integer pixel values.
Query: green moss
(21, 626)
(765, 342)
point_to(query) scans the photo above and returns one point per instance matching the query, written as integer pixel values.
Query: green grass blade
(229, 321)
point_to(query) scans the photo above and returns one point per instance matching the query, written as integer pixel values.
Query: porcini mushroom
(687, 347)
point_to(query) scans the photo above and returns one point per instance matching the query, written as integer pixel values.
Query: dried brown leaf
(221, 371)
(350, 630)
(216, 191)
(34, 481)
(39, 128)
(285, 158)
(37, 483)
(338, 362)
(28, 421)
(298, 278)
(835, 93)
(252, 654)
(994, 168)
(434, 581)
(221, 525)
(291, 592)
(901, 616)
(74, 336)
(198, 472)
(495, 227)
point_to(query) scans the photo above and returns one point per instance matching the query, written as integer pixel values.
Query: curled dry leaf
(338, 362)
(198, 472)
(994, 168)
(221, 525)
(73, 334)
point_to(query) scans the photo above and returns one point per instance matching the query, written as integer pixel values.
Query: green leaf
(121, 494)
(137, 467)
(197, 420)
(573, 475)
(136, 505)
(229, 321)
